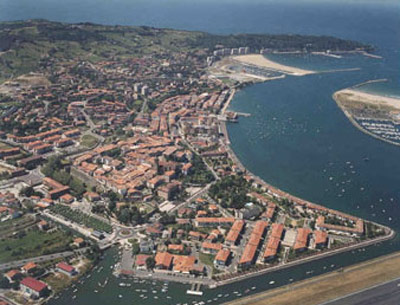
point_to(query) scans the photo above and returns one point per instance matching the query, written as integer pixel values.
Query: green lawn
(88, 141)
(12, 225)
(207, 259)
(34, 243)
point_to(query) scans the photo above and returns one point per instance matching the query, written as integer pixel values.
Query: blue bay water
(296, 138)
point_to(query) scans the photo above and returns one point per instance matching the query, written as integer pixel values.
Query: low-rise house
(194, 235)
(67, 198)
(167, 191)
(79, 242)
(321, 239)
(174, 248)
(92, 196)
(271, 248)
(163, 260)
(221, 259)
(302, 239)
(140, 261)
(234, 233)
(211, 248)
(213, 221)
(187, 168)
(13, 275)
(29, 267)
(43, 225)
(33, 288)
(66, 269)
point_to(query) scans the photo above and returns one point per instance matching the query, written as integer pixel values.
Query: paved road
(38, 259)
(384, 294)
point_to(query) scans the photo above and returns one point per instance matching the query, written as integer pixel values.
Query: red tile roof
(223, 255)
(65, 267)
(33, 284)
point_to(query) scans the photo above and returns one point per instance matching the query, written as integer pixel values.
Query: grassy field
(208, 259)
(17, 224)
(88, 141)
(34, 243)
(81, 218)
(330, 286)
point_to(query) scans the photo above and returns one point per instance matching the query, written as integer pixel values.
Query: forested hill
(25, 46)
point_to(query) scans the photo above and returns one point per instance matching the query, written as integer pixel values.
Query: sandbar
(370, 98)
(261, 61)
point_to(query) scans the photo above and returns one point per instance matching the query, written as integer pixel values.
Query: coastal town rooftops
(164, 259)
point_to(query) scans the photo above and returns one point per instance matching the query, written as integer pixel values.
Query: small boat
(120, 296)
(74, 297)
(95, 291)
(122, 284)
(272, 282)
(253, 288)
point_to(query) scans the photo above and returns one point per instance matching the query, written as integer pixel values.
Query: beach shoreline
(263, 62)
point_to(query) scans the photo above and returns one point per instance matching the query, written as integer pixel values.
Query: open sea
(296, 137)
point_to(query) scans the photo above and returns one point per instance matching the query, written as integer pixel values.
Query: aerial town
(134, 152)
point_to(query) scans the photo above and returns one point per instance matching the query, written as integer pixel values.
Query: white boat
(272, 282)
(120, 296)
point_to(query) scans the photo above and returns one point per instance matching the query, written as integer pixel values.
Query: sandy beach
(261, 61)
(364, 97)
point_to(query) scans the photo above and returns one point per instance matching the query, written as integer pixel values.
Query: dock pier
(195, 289)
